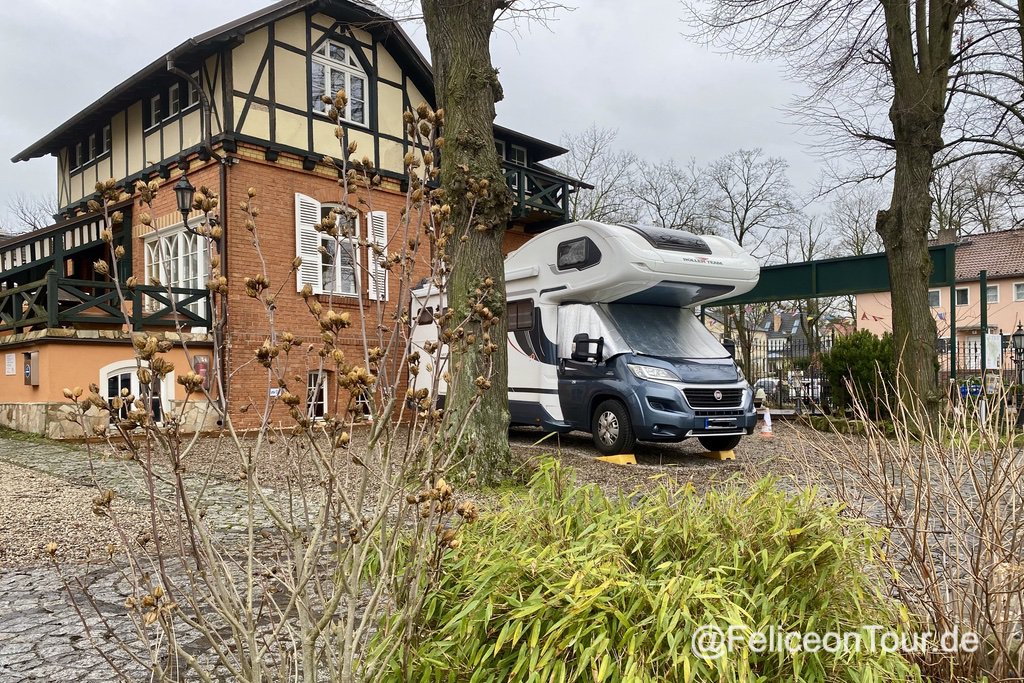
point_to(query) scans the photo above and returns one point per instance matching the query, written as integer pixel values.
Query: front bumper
(664, 414)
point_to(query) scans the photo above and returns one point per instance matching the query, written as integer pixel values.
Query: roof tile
(1000, 253)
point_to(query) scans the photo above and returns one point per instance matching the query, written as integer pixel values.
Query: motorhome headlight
(653, 373)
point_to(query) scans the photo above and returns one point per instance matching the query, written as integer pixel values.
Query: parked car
(775, 389)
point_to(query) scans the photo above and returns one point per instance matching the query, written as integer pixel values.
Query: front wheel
(613, 432)
(720, 443)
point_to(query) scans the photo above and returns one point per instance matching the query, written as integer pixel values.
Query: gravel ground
(39, 508)
(44, 508)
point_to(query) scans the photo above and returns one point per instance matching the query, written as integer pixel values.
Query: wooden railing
(55, 302)
(536, 190)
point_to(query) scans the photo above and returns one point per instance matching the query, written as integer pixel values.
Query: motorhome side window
(520, 315)
(579, 253)
(426, 316)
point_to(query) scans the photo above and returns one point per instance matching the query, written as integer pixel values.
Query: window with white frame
(316, 395)
(105, 139)
(79, 154)
(193, 92)
(335, 67)
(121, 379)
(934, 298)
(173, 100)
(339, 262)
(517, 155)
(992, 294)
(93, 150)
(963, 297)
(1018, 291)
(154, 111)
(176, 258)
(332, 265)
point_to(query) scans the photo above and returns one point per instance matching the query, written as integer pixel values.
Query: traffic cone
(766, 430)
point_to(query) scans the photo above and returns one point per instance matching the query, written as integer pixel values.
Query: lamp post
(184, 192)
(1017, 343)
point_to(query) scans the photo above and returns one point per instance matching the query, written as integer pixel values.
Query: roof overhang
(194, 50)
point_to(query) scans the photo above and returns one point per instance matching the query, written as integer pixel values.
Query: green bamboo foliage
(568, 584)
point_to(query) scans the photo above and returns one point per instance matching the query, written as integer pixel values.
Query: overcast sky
(620, 65)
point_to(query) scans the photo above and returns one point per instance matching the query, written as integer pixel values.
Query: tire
(612, 429)
(720, 443)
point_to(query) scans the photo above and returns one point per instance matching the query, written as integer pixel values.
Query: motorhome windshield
(664, 331)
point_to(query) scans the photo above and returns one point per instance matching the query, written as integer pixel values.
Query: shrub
(863, 360)
(951, 495)
(571, 585)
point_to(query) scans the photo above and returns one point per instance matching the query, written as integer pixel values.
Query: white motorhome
(603, 336)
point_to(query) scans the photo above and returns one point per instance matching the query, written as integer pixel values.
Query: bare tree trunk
(919, 60)
(467, 87)
(904, 230)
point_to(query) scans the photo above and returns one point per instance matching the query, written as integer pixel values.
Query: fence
(63, 302)
(789, 370)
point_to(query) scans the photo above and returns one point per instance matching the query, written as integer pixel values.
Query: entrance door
(126, 378)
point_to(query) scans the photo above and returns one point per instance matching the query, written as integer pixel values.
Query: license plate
(719, 423)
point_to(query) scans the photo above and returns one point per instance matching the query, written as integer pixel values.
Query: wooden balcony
(542, 198)
(56, 302)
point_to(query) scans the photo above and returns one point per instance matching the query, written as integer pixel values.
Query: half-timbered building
(233, 108)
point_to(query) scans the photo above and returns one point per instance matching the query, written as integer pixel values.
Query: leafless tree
(474, 191)
(859, 57)
(749, 200)
(811, 239)
(610, 172)
(851, 219)
(28, 212)
(674, 196)
(975, 195)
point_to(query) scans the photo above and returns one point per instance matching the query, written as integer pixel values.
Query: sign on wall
(10, 364)
(993, 351)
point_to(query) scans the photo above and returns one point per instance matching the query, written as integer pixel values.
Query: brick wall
(248, 326)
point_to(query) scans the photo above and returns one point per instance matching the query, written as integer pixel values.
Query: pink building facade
(1001, 254)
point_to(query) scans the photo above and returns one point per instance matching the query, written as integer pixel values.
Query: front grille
(728, 412)
(705, 398)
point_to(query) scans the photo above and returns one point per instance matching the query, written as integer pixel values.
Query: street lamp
(1017, 343)
(184, 192)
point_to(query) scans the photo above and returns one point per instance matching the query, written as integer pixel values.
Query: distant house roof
(783, 324)
(192, 51)
(1000, 253)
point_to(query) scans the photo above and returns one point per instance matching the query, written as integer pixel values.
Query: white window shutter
(377, 234)
(357, 252)
(307, 244)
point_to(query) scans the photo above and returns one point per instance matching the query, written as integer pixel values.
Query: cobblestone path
(42, 637)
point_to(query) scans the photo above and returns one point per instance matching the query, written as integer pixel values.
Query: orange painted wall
(65, 364)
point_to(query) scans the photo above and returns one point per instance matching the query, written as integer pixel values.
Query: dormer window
(335, 67)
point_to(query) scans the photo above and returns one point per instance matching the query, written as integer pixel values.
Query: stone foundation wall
(51, 419)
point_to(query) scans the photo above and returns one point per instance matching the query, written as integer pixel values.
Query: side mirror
(581, 348)
(730, 347)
